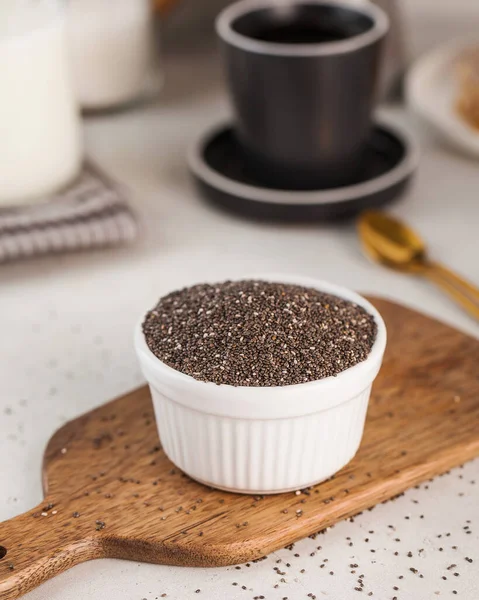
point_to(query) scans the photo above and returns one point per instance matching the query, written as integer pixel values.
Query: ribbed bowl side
(260, 456)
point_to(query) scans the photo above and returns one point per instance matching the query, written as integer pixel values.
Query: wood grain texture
(111, 492)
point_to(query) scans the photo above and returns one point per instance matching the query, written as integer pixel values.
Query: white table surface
(66, 329)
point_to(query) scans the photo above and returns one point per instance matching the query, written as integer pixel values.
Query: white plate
(432, 90)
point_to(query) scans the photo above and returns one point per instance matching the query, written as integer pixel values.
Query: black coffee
(299, 33)
(303, 24)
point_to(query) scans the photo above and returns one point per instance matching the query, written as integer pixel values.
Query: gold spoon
(394, 245)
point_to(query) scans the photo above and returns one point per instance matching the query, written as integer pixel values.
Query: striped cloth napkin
(91, 213)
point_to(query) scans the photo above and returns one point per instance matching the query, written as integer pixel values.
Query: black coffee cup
(303, 75)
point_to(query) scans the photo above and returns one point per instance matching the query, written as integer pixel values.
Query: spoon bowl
(393, 244)
(412, 266)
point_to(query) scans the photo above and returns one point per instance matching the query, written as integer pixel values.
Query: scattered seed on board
(254, 333)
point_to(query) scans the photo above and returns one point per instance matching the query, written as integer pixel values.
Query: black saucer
(217, 163)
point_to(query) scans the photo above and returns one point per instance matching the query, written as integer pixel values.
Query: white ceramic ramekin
(263, 439)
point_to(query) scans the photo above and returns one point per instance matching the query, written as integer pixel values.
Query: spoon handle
(456, 292)
(466, 286)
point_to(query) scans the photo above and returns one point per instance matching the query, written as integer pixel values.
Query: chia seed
(258, 334)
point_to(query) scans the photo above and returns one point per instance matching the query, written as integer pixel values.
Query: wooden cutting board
(111, 492)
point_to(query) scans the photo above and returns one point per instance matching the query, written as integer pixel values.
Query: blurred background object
(52, 199)
(395, 245)
(91, 213)
(200, 14)
(113, 60)
(468, 78)
(164, 5)
(113, 51)
(442, 88)
(395, 51)
(40, 142)
(303, 116)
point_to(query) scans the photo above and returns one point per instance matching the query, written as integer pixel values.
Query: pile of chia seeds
(254, 333)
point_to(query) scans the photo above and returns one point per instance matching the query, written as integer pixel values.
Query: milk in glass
(112, 50)
(40, 137)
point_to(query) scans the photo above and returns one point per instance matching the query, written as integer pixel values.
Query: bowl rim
(209, 396)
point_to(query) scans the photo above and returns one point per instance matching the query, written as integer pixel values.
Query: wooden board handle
(42, 543)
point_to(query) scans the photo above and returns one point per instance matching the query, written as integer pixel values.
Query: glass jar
(112, 49)
(40, 139)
